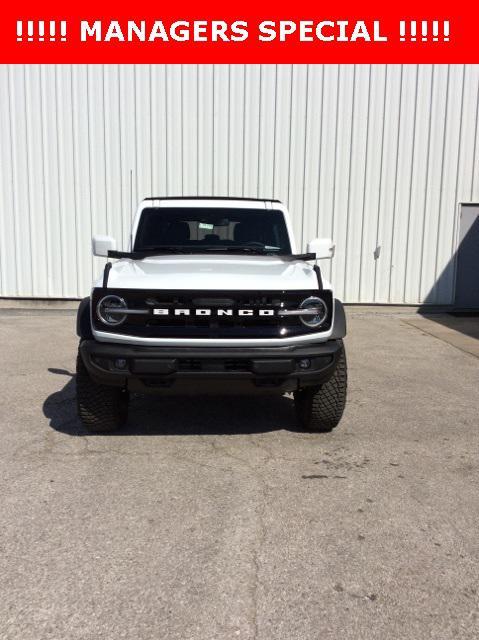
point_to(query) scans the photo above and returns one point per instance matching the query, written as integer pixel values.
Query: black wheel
(100, 408)
(321, 408)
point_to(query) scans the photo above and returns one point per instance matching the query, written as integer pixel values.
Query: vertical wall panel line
(321, 125)
(305, 159)
(198, 159)
(151, 146)
(90, 212)
(44, 175)
(274, 121)
(60, 194)
(245, 88)
(380, 181)
(213, 142)
(393, 221)
(363, 210)
(74, 188)
(260, 97)
(336, 129)
(456, 187)
(426, 186)
(14, 194)
(348, 199)
(228, 137)
(441, 181)
(122, 168)
(413, 154)
(291, 88)
(105, 154)
(28, 180)
(135, 130)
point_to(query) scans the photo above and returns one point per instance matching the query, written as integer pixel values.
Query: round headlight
(310, 319)
(109, 309)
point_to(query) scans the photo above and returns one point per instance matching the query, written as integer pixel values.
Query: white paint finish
(366, 155)
(218, 273)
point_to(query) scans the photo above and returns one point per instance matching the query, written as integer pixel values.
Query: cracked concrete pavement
(214, 518)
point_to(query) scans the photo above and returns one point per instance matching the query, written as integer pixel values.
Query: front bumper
(210, 370)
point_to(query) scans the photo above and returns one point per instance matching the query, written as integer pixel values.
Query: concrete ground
(216, 519)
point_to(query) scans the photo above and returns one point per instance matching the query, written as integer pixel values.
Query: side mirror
(322, 247)
(101, 245)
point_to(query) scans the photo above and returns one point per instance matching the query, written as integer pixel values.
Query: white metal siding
(373, 156)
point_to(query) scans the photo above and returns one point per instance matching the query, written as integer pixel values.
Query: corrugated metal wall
(373, 156)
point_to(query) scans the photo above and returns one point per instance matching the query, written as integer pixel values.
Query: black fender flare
(83, 320)
(339, 326)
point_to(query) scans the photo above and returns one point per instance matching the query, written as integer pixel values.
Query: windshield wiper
(253, 248)
(220, 249)
(149, 252)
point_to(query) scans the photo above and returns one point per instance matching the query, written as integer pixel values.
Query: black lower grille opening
(208, 364)
(190, 364)
(237, 365)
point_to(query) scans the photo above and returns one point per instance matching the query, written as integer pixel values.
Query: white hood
(213, 272)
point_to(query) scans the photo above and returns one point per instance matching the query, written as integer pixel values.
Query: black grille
(211, 326)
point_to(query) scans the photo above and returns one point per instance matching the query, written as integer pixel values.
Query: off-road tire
(100, 408)
(321, 408)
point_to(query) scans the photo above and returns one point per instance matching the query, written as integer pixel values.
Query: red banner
(246, 32)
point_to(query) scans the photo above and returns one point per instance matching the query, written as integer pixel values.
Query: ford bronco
(211, 297)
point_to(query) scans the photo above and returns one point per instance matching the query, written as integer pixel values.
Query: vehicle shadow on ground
(178, 415)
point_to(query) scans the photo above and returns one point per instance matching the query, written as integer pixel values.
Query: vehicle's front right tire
(100, 408)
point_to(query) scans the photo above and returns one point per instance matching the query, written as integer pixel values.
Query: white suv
(211, 297)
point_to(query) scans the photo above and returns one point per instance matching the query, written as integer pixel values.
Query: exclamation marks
(446, 31)
(413, 31)
(408, 31)
(424, 30)
(36, 31)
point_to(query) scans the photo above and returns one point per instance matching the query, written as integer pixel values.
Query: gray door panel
(467, 266)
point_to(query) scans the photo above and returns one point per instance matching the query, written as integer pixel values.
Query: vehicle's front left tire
(100, 408)
(321, 408)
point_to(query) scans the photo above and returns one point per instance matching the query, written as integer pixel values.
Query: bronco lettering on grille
(218, 312)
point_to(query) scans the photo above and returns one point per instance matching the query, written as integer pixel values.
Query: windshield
(198, 230)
